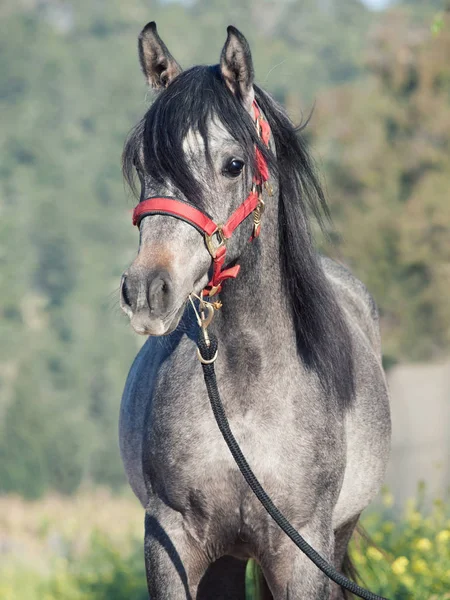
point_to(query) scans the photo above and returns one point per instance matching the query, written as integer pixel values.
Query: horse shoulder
(136, 397)
(368, 423)
(356, 301)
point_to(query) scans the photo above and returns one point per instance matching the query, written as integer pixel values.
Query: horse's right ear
(158, 65)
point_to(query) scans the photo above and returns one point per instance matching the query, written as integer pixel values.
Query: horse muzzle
(148, 298)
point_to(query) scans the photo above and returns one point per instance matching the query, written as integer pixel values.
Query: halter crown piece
(216, 236)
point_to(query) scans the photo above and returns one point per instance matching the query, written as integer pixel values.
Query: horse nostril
(125, 292)
(159, 293)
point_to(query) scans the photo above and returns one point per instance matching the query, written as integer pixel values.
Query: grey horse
(299, 365)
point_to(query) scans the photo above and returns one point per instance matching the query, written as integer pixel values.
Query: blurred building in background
(420, 423)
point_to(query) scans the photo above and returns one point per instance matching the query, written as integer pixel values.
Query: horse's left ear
(236, 65)
(158, 65)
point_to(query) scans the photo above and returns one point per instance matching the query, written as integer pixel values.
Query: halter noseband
(216, 235)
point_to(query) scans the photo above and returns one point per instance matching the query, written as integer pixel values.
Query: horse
(299, 365)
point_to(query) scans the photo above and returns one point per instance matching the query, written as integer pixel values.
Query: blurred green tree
(385, 148)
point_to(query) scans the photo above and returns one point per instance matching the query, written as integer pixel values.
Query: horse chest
(189, 466)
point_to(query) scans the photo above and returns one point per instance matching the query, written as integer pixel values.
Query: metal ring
(204, 361)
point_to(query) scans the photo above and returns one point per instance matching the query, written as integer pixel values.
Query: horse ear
(158, 65)
(236, 65)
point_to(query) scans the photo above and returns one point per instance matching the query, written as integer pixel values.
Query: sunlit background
(378, 76)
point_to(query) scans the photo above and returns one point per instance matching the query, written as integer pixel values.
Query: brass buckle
(257, 217)
(222, 240)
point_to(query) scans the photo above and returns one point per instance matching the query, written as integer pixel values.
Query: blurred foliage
(106, 573)
(408, 558)
(385, 147)
(71, 90)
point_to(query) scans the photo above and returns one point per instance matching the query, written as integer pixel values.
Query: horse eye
(234, 167)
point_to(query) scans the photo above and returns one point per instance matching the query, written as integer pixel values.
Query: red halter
(216, 236)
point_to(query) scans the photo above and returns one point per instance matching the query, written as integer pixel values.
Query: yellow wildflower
(378, 537)
(443, 536)
(420, 566)
(388, 499)
(408, 581)
(359, 558)
(415, 518)
(388, 527)
(374, 553)
(424, 544)
(399, 565)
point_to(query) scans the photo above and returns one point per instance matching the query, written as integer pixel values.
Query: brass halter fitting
(204, 315)
(257, 214)
(220, 238)
(259, 210)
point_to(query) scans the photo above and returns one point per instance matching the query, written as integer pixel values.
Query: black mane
(323, 338)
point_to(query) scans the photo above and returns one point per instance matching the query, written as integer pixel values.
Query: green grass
(90, 548)
(253, 581)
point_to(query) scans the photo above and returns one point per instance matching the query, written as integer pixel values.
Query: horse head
(199, 145)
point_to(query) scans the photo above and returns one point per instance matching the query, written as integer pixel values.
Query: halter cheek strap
(217, 235)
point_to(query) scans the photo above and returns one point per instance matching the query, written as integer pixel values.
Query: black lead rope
(208, 354)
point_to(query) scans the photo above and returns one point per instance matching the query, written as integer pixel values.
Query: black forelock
(188, 104)
(156, 146)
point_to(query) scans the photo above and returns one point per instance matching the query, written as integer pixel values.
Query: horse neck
(255, 296)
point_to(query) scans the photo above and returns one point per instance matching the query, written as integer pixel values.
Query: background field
(89, 547)
(70, 91)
